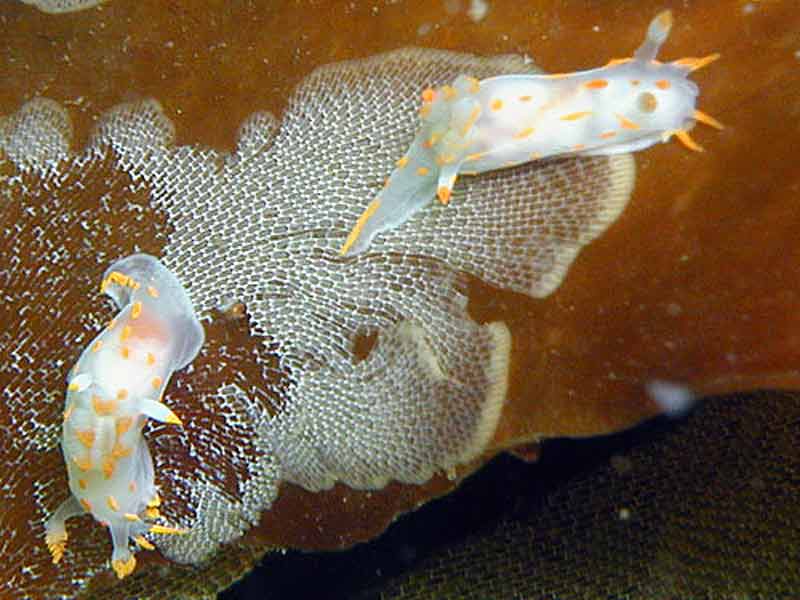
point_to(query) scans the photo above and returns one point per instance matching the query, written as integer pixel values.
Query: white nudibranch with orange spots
(117, 383)
(473, 126)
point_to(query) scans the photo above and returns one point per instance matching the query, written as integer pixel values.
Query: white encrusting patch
(497, 374)
(261, 228)
(63, 6)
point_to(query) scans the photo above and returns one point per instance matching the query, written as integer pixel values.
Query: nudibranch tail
(116, 385)
(359, 226)
(476, 126)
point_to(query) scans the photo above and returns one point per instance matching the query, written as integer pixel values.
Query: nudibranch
(473, 126)
(117, 383)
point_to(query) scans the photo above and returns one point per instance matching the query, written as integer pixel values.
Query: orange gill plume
(670, 293)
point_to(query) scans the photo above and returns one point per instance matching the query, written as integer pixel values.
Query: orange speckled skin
(117, 383)
(472, 126)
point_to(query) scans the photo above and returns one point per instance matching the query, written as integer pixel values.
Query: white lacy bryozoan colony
(263, 227)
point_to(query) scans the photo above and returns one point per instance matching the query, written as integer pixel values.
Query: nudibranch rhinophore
(116, 384)
(473, 126)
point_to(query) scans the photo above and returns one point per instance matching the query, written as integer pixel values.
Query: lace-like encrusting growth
(262, 228)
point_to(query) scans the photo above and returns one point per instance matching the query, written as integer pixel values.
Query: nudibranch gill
(117, 383)
(473, 126)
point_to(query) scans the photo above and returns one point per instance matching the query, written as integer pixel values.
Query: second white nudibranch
(473, 126)
(117, 383)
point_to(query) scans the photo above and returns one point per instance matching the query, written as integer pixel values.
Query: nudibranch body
(473, 126)
(117, 383)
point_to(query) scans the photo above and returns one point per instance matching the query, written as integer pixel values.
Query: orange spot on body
(402, 162)
(431, 141)
(83, 465)
(525, 98)
(496, 104)
(663, 84)
(473, 116)
(635, 82)
(87, 506)
(576, 115)
(118, 278)
(108, 467)
(152, 292)
(136, 310)
(125, 352)
(474, 85)
(449, 92)
(428, 95)
(423, 171)
(97, 345)
(82, 484)
(123, 424)
(122, 393)
(120, 451)
(151, 359)
(596, 84)
(86, 437)
(103, 408)
(68, 412)
(443, 193)
(608, 135)
(475, 156)
(126, 333)
(112, 503)
(626, 123)
(111, 324)
(521, 135)
(578, 147)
